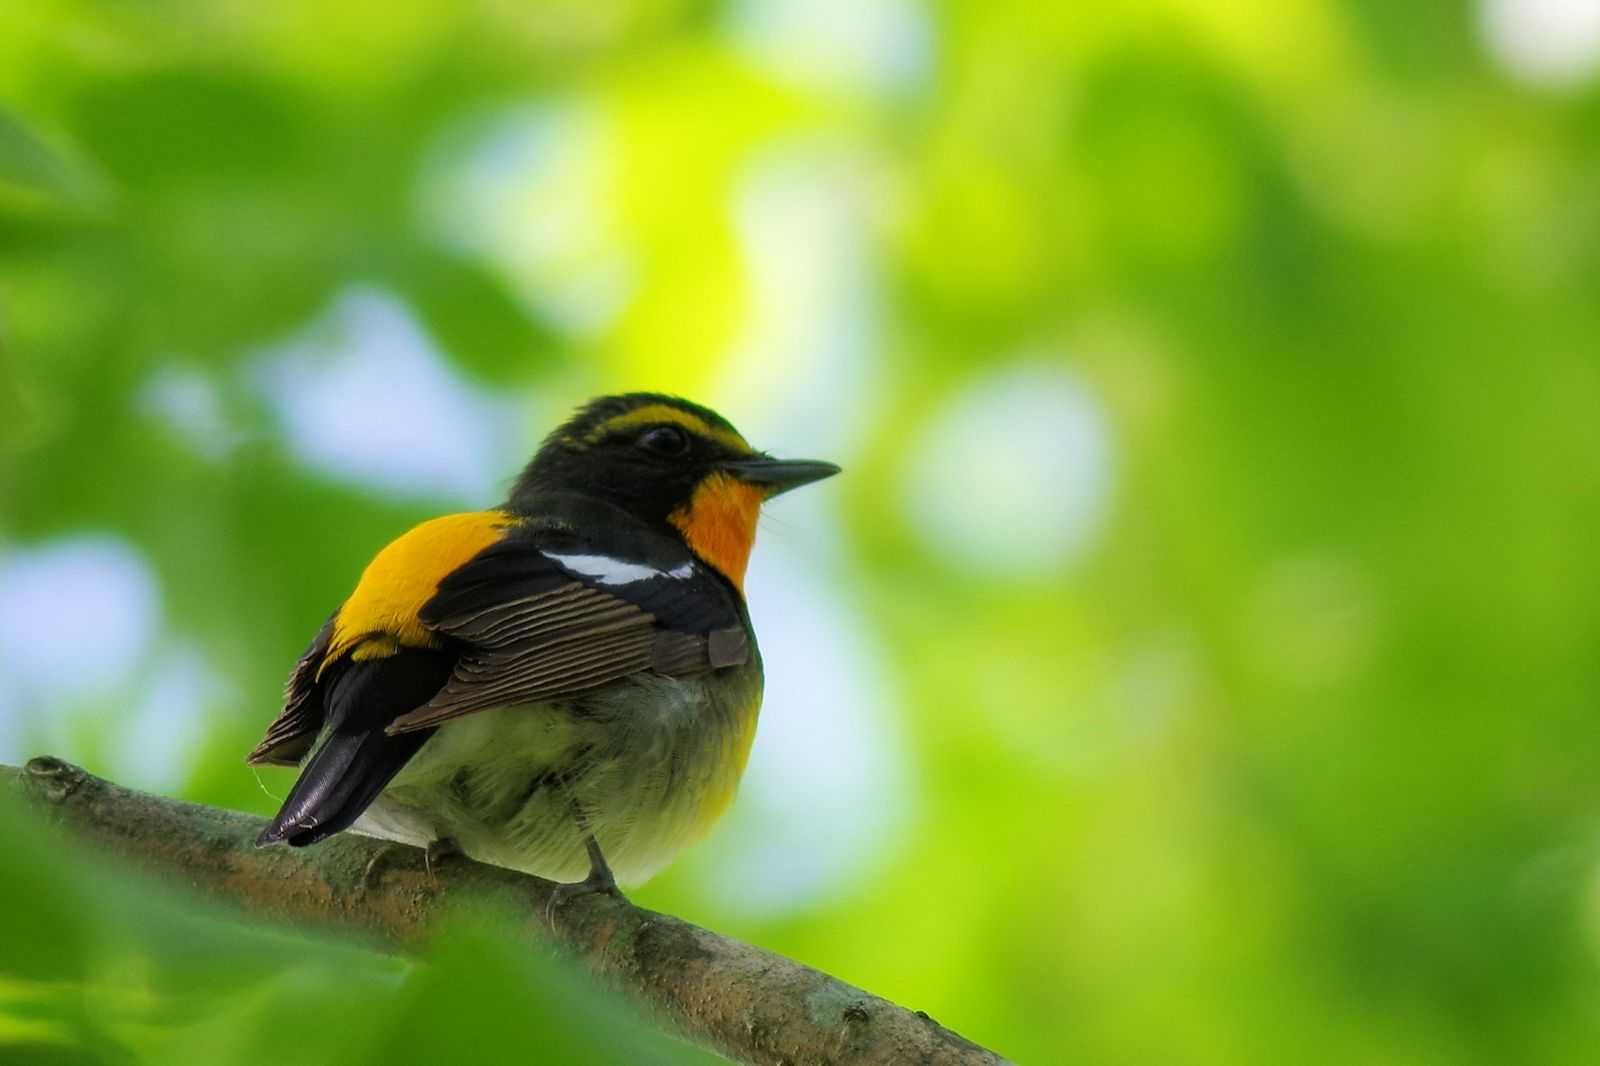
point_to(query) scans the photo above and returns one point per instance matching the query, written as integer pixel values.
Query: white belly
(651, 763)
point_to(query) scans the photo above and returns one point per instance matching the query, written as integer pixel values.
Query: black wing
(544, 615)
(357, 758)
(291, 734)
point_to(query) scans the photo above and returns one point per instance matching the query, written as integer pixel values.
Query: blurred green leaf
(210, 125)
(27, 162)
(471, 313)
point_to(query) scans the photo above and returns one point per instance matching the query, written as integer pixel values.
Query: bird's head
(671, 463)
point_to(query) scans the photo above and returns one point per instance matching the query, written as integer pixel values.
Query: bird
(566, 684)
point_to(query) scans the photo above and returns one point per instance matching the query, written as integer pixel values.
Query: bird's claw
(597, 883)
(438, 851)
(372, 873)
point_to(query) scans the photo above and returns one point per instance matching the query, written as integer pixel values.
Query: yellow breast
(729, 767)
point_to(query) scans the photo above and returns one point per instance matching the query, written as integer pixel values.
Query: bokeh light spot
(1013, 477)
(811, 341)
(839, 45)
(190, 405)
(1548, 43)
(828, 788)
(527, 190)
(162, 727)
(362, 395)
(77, 616)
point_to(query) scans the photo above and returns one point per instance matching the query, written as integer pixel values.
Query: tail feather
(339, 782)
(357, 759)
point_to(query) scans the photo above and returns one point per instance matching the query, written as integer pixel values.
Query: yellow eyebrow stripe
(404, 576)
(653, 413)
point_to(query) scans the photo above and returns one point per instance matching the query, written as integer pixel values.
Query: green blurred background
(1196, 664)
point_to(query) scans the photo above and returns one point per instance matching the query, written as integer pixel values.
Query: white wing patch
(608, 571)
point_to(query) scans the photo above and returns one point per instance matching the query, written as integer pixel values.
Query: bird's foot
(381, 860)
(599, 881)
(439, 851)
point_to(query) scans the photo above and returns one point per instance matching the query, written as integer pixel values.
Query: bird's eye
(665, 440)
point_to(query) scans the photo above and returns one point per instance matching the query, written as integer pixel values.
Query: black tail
(341, 779)
(358, 759)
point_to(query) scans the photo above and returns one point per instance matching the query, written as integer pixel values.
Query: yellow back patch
(719, 523)
(404, 576)
(653, 413)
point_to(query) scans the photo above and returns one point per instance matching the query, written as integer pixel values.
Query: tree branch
(739, 1000)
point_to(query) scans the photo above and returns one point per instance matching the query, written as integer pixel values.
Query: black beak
(779, 475)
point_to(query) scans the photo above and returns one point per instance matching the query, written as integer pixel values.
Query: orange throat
(719, 524)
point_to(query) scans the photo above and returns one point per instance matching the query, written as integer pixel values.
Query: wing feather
(531, 630)
(537, 648)
(524, 628)
(292, 733)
